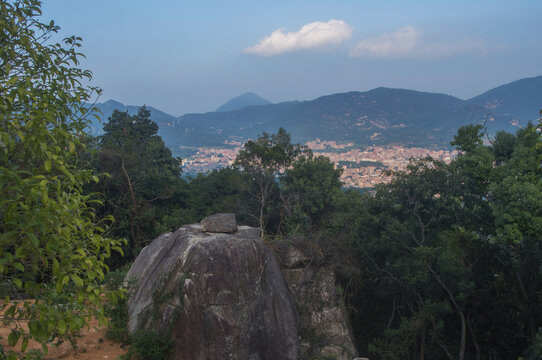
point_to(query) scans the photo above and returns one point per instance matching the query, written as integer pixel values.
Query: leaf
(34, 239)
(62, 327)
(13, 337)
(45, 349)
(77, 280)
(24, 344)
(18, 266)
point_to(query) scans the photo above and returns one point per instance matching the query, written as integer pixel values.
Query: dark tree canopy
(143, 189)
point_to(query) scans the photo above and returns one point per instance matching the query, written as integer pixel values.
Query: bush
(117, 312)
(149, 345)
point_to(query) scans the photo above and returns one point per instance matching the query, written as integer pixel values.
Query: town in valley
(363, 167)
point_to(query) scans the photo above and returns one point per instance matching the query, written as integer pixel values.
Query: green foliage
(52, 249)
(117, 327)
(265, 160)
(220, 191)
(117, 311)
(143, 189)
(451, 254)
(148, 345)
(270, 153)
(468, 138)
(311, 187)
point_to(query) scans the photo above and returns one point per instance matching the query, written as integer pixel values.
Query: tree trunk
(530, 308)
(474, 340)
(463, 342)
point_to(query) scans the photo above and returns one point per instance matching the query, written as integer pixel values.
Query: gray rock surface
(323, 319)
(219, 296)
(220, 223)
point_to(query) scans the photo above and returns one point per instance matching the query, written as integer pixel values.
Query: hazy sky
(192, 56)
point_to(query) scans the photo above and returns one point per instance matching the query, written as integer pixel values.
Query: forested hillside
(520, 99)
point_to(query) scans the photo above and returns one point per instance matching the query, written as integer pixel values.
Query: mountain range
(382, 116)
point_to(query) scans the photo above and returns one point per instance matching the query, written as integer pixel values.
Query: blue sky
(192, 56)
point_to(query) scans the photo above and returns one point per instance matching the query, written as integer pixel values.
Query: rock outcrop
(323, 320)
(218, 295)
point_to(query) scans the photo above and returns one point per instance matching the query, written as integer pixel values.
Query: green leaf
(18, 266)
(77, 280)
(24, 344)
(13, 337)
(62, 327)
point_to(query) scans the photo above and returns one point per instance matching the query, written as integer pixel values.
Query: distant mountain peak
(113, 103)
(242, 101)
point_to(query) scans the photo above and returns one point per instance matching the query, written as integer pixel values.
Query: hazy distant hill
(378, 117)
(242, 101)
(521, 99)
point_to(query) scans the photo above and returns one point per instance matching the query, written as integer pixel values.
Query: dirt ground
(91, 346)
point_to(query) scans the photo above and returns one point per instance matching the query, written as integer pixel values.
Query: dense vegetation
(451, 254)
(442, 263)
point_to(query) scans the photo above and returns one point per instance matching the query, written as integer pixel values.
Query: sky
(186, 56)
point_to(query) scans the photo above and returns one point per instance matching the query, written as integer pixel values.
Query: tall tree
(143, 178)
(266, 159)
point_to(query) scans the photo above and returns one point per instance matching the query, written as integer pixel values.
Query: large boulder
(218, 295)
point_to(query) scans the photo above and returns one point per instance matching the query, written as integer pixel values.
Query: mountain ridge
(521, 98)
(380, 116)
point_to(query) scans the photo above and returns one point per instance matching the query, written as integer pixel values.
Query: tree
(265, 160)
(516, 202)
(468, 138)
(143, 189)
(52, 252)
(311, 186)
(219, 191)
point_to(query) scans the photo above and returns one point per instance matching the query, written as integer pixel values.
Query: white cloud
(311, 36)
(395, 44)
(409, 42)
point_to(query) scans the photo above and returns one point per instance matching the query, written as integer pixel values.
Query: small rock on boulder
(219, 223)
